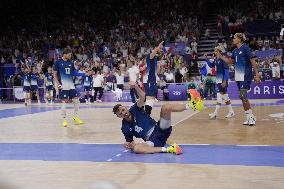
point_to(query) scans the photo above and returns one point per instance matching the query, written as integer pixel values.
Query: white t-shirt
(96, 58)
(282, 32)
(183, 71)
(119, 79)
(79, 56)
(275, 69)
(124, 52)
(98, 80)
(133, 73)
(169, 76)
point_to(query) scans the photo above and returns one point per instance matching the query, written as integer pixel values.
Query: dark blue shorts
(244, 85)
(87, 88)
(49, 88)
(34, 88)
(221, 89)
(68, 94)
(27, 88)
(159, 136)
(151, 89)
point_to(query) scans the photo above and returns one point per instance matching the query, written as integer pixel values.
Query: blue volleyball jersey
(27, 80)
(87, 81)
(140, 126)
(151, 69)
(65, 71)
(49, 79)
(34, 78)
(243, 66)
(222, 71)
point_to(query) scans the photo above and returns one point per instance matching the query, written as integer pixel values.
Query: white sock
(187, 107)
(230, 108)
(76, 103)
(217, 108)
(249, 112)
(63, 110)
(164, 149)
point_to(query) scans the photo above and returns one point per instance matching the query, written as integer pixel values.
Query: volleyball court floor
(37, 152)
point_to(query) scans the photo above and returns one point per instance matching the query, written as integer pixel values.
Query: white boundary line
(189, 116)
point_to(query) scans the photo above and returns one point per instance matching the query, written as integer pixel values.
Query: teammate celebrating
(222, 76)
(87, 83)
(34, 83)
(27, 86)
(48, 79)
(64, 71)
(244, 62)
(152, 67)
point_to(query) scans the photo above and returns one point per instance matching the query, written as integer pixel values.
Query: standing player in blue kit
(244, 62)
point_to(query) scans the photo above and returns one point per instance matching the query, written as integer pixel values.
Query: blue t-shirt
(140, 126)
(87, 81)
(27, 79)
(222, 71)
(65, 71)
(49, 79)
(34, 78)
(243, 66)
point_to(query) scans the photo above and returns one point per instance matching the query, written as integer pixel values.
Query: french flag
(167, 50)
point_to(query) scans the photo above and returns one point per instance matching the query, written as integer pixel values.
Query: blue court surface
(193, 154)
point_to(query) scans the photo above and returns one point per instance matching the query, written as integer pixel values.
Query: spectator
(98, 82)
(133, 73)
(169, 76)
(275, 70)
(119, 79)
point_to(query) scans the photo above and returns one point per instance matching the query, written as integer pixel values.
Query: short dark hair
(115, 108)
(67, 50)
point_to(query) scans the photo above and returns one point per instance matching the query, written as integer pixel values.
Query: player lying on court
(136, 122)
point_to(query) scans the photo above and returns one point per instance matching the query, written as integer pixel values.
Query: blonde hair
(241, 36)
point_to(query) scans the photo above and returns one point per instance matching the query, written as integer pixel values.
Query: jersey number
(67, 70)
(138, 129)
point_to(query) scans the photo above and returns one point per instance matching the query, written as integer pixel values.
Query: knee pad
(164, 123)
(51, 93)
(76, 101)
(226, 97)
(243, 95)
(219, 98)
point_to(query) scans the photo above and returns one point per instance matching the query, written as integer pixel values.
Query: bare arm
(56, 80)
(254, 65)
(156, 50)
(142, 68)
(142, 148)
(140, 93)
(159, 67)
(225, 59)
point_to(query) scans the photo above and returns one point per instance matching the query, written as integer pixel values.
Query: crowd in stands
(236, 14)
(108, 37)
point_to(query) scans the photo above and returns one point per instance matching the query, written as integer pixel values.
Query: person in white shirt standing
(98, 81)
(119, 80)
(281, 33)
(133, 73)
(275, 68)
